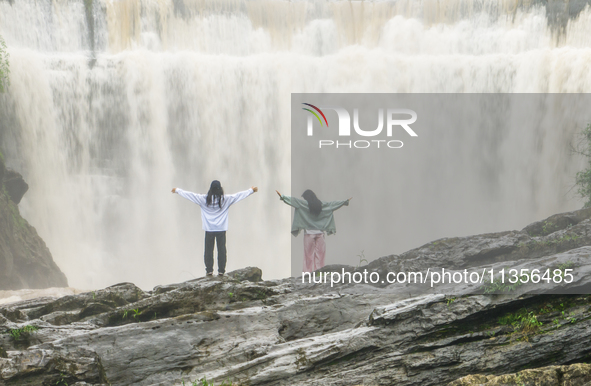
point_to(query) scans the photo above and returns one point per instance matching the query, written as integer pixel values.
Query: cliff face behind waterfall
(25, 261)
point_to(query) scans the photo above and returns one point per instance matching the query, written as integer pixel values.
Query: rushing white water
(114, 102)
(8, 297)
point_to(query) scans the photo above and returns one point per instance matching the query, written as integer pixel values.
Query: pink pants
(314, 252)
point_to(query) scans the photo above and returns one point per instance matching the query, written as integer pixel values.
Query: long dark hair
(314, 204)
(215, 193)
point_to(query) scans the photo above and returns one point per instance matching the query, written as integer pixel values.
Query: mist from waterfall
(113, 103)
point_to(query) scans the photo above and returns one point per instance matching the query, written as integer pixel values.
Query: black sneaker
(209, 273)
(220, 274)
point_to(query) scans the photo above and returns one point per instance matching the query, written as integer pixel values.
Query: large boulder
(25, 260)
(15, 185)
(252, 274)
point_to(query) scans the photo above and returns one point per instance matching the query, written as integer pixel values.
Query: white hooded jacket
(214, 218)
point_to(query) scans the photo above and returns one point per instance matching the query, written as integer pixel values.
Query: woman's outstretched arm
(291, 201)
(334, 205)
(234, 198)
(198, 199)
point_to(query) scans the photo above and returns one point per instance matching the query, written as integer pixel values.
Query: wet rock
(578, 374)
(51, 367)
(289, 332)
(15, 185)
(557, 222)
(252, 274)
(25, 260)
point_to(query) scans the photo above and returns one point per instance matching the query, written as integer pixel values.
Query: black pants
(220, 239)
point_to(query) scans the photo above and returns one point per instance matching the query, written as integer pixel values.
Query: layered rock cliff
(25, 260)
(247, 331)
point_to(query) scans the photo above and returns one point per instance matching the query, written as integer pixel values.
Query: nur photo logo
(395, 118)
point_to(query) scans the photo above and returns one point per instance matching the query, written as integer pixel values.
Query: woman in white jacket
(214, 217)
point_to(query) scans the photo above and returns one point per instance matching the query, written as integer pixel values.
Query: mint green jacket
(303, 219)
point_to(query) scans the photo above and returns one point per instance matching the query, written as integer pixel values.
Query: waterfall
(114, 102)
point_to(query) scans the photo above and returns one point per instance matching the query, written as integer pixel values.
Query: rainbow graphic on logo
(316, 115)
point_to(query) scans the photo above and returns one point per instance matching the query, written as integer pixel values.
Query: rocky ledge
(574, 375)
(248, 331)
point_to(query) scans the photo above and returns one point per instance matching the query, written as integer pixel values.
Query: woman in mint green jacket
(314, 217)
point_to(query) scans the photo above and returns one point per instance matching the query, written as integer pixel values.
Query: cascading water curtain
(113, 103)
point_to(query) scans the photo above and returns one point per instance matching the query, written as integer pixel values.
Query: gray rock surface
(15, 185)
(560, 240)
(253, 274)
(285, 332)
(578, 374)
(50, 366)
(25, 260)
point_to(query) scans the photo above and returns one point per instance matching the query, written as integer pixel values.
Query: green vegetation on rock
(205, 382)
(523, 320)
(17, 220)
(22, 333)
(583, 178)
